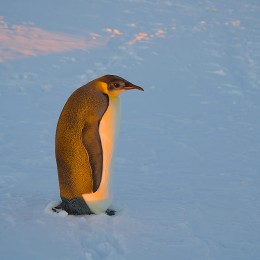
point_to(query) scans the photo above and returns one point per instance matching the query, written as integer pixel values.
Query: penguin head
(114, 85)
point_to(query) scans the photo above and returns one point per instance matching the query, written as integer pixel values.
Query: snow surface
(187, 180)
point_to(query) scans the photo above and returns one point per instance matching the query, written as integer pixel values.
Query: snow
(187, 172)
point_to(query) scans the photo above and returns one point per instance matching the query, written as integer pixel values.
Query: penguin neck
(100, 200)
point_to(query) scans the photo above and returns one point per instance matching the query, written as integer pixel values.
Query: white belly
(100, 200)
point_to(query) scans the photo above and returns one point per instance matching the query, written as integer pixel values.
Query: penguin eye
(116, 85)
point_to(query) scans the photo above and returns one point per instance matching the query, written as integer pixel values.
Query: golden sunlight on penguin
(85, 137)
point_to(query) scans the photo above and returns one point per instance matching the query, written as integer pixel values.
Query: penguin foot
(110, 212)
(75, 206)
(58, 208)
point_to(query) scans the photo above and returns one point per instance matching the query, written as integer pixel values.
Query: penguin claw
(110, 212)
(56, 209)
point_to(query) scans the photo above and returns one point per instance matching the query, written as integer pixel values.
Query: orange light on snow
(139, 37)
(18, 41)
(113, 32)
(160, 33)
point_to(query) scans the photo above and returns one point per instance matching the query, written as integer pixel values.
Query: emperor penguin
(84, 145)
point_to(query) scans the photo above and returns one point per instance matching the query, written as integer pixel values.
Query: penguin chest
(100, 200)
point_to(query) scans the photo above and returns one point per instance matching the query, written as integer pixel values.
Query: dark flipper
(75, 206)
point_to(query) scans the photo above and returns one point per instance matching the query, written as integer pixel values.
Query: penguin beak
(132, 86)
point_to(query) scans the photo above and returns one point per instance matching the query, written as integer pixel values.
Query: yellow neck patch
(102, 86)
